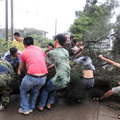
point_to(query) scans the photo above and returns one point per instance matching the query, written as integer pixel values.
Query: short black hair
(71, 37)
(66, 34)
(50, 44)
(13, 50)
(47, 51)
(61, 39)
(17, 34)
(28, 41)
(74, 41)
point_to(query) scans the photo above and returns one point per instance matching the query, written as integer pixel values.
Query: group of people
(33, 61)
(25, 56)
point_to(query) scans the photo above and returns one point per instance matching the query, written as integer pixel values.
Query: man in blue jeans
(35, 78)
(60, 59)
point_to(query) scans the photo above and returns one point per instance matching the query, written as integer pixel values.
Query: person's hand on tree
(82, 47)
(118, 83)
(101, 57)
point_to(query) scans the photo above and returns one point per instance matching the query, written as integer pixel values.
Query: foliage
(94, 20)
(116, 46)
(89, 25)
(93, 23)
(39, 41)
(4, 45)
(75, 90)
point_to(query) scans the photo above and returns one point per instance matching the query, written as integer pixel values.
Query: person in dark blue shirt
(13, 57)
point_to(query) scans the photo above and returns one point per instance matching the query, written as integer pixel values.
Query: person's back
(60, 58)
(88, 73)
(7, 75)
(34, 57)
(9, 66)
(87, 70)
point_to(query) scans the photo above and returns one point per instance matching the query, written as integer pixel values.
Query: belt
(36, 75)
(88, 78)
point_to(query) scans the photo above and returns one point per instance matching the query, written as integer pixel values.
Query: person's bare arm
(19, 68)
(109, 61)
(78, 52)
(74, 50)
(51, 66)
(23, 66)
(118, 83)
(71, 63)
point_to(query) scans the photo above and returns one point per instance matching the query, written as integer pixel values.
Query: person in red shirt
(34, 58)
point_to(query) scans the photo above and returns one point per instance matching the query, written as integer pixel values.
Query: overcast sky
(41, 14)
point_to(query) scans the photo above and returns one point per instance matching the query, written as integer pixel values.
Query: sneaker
(30, 111)
(25, 113)
(1, 107)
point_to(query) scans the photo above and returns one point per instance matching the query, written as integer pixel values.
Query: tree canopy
(94, 20)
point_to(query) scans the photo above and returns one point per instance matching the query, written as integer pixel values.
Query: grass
(44, 49)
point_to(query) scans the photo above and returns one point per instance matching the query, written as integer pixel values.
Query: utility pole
(55, 27)
(12, 21)
(6, 30)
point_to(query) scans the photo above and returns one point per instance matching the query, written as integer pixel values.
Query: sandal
(39, 109)
(119, 116)
(97, 99)
(79, 101)
(48, 108)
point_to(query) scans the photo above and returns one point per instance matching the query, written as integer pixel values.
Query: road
(88, 110)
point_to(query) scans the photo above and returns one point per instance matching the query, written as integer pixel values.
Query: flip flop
(97, 99)
(119, 116)
(39, 109)
(48, 108)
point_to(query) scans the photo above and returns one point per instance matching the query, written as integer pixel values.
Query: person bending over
(35, 78)
(60, 59)
(114, 90)
(13, 57)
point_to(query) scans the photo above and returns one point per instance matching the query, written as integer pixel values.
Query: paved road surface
(88, 110)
